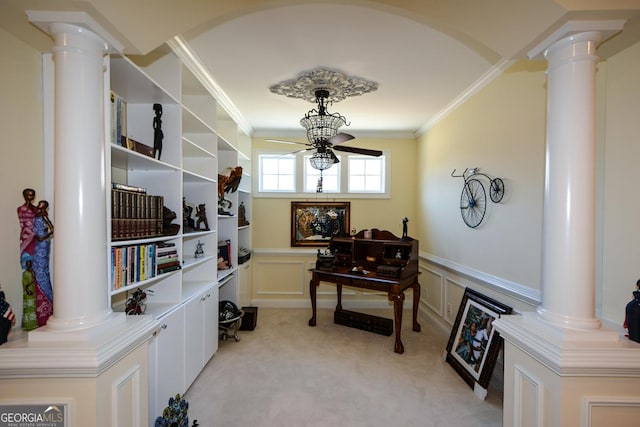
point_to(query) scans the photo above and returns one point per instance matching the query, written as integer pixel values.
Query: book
(136, 146)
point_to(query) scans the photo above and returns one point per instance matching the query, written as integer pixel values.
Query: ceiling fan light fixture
(321, 161)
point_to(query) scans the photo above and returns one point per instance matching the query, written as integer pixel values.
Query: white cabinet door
(193, 338)
(168, 359)
(210, 322)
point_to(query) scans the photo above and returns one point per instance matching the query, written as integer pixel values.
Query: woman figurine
(29, 318)
(26, 214)
(44, 291)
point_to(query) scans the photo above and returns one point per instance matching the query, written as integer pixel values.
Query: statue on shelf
(26, 214)
(199, 251)
(188, 224)
(405, 220)
(29, 317)
(43, 229)
(201, 213)
(169, 229)
(158, 135)
(242, 215)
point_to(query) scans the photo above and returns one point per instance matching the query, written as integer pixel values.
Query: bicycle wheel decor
(496, 192)
(473, 202)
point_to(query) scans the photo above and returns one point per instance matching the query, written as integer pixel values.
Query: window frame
(300, 177)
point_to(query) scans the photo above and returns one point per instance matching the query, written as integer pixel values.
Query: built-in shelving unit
(200, 141)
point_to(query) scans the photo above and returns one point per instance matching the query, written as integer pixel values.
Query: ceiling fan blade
(365, 151)
(339, 138)
(333, 156)
(280, 141)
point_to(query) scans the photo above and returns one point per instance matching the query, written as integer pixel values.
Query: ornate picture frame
(315, 223)
(473, 347)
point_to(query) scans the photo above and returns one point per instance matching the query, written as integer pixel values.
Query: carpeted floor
(285, 373)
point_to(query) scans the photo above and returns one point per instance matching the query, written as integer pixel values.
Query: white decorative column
(561, 366)
(80, 242)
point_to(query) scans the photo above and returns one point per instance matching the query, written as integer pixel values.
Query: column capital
(45, 20)
(601, 30)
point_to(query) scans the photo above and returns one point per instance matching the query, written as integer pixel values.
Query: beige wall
(501, 130)
(280, 272)
(21, 160)
(620, 204)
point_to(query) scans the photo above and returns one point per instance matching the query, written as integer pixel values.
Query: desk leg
(416, 302)
(398, 300)
(339, 290)
(312, 291)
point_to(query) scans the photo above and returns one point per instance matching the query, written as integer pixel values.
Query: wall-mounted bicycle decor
(473, 200)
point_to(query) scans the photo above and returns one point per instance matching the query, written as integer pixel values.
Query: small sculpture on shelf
(199, 251)
(201, 214)
(242, 215)
(188, 223)
(136, 302)
(158, 135)
(228, 184)
(169, 229)
(632, 315)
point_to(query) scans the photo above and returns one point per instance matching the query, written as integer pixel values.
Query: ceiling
(424, 55)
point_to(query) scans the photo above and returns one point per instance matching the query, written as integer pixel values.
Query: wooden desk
(394, 288)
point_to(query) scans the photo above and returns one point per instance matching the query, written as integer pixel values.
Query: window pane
(277, 173)
(330, 178)
(366, 175)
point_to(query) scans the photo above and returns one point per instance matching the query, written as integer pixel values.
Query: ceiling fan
(322, 133)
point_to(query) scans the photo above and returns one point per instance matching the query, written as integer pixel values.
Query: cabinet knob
(164, 326)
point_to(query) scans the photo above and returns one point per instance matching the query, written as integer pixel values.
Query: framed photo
(315, 223)
(474, 343)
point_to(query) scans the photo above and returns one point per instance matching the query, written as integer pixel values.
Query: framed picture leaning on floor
(473, 346)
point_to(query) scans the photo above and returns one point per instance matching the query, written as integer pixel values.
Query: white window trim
(313, 195)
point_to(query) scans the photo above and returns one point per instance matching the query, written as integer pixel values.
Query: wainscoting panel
(608, 411)
(126, 399)
(431, 290)
(279, 277)
(453, 293)
(527, 399)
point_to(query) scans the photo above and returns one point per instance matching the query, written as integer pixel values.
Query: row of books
(135, 214)
(136, 263)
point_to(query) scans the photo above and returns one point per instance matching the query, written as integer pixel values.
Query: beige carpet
(285, 373)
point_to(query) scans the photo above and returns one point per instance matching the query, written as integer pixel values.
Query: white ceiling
(425, 55)
(418, 70)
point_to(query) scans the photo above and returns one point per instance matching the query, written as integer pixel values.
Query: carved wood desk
(342, 276)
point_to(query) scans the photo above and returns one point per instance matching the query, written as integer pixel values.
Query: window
(291, 175)
(366, 174)
(277, 173)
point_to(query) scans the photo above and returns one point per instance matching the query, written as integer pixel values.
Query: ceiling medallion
(338, 85)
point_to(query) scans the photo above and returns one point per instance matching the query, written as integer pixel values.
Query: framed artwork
(474, 343)
(315, 223)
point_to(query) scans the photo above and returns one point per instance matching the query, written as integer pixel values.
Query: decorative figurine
(136, 303)
(7, 318)
(405, 220)
(44, 290)
(188, 224)
(242, 215)
(29, 318)
(632, 315)
(199, 251)
(201, 213)
(169, 229)
(26, 214)
(158, 135)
